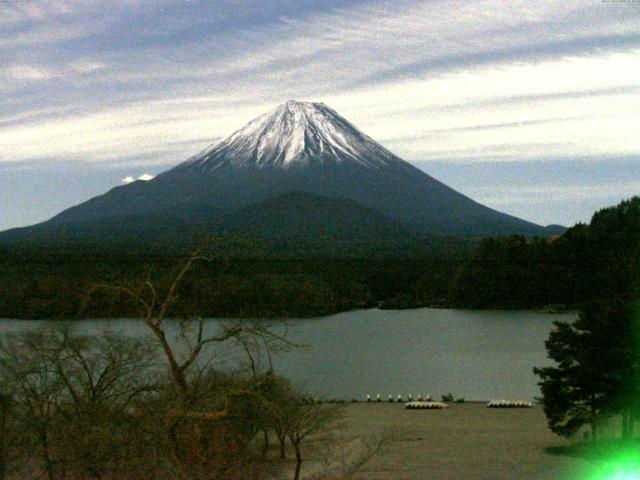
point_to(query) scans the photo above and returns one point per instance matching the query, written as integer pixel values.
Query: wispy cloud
(430, 83)
(542, 194)
(26, 72)
(112, 82)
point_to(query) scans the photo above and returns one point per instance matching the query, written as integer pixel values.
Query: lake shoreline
(548, 310)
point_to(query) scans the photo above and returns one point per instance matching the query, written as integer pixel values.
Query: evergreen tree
(596, 372)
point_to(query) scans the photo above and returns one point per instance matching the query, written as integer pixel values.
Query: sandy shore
(466, 441)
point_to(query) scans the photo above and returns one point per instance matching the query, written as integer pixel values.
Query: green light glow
(622, 465)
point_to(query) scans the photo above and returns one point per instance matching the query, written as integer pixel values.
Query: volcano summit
(295, 134)
(298, 147)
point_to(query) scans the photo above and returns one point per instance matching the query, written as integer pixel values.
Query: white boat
(509, 404)
(425, 405)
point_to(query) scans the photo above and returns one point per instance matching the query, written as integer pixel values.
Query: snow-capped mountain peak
(291, 135)
(296, 148)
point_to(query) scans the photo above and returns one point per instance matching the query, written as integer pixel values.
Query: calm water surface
(478, 355)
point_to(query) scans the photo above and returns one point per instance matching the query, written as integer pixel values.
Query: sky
(530, 107)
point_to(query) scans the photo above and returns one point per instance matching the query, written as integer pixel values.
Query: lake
(478, 355)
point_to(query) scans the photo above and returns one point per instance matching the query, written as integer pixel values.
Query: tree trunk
(281, 439)
(176, 371)
(296, 447)
(2, 463)
(265, 444)
(594, 428)
(625, 424)
(48, 463)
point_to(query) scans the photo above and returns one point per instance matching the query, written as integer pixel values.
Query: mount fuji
(298, 148)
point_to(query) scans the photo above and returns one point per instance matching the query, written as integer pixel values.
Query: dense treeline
(596, 375)
(589, 261)
(511, 272)
(52, 285)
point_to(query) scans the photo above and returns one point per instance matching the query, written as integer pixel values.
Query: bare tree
(103, 376)
(8, 429)
(71, 398)
(156, 304)
(189, 427)
(344, 456)
(37, 390)
(302, 420)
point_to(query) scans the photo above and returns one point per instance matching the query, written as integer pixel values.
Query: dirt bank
(467, 441)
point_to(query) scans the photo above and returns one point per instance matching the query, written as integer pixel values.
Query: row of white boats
(400, 398)
(491, 404)
(427, 403)
(509, 404)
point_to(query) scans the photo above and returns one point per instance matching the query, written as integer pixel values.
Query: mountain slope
(301, 224)
(300, 214)
(294, 224)
(299, 147)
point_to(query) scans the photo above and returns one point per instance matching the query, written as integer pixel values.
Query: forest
(594, 379)
(588, 261)
(242, 280)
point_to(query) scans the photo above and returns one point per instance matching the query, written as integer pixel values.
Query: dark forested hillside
(293, 255)
(589, 261)
(54, 285)
(297, 275)
(292, 225)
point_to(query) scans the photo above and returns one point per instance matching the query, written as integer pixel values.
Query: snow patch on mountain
(295, 134)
